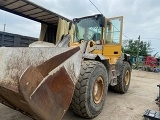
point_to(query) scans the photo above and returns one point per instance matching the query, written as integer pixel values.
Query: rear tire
(123, 80)
(91, 90)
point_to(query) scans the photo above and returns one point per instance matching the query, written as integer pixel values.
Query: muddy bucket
(39, 82)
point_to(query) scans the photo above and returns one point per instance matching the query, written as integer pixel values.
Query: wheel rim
(127, 77)
(98, 90)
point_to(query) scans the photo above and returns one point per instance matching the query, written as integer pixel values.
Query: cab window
(113, 31)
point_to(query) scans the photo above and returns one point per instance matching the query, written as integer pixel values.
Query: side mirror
(101, 21)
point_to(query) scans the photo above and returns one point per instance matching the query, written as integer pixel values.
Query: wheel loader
(72, 65)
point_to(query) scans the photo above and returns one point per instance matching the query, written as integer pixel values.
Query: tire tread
(119, 87)
(78, 102)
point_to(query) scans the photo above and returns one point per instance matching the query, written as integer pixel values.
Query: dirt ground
(129, 106)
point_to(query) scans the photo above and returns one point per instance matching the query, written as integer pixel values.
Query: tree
(130, 47)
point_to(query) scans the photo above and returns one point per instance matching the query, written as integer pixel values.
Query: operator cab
(89, 28)
(104, 35)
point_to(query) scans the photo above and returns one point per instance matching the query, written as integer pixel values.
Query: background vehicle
(73, 63)
(150, 63)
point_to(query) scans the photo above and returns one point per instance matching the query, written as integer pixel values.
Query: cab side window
(113, 30)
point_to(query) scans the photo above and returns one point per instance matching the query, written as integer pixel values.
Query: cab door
(112, 48)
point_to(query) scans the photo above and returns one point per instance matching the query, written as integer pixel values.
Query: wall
(14, 40)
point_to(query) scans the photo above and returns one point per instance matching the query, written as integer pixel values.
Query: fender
(100, 58)
(126, 57)
(94, 56)
(119, 63)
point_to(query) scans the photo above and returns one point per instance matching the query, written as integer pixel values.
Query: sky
(141, 17)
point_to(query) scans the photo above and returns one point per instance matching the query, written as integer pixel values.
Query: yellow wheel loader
(104, 65)
(72, 64)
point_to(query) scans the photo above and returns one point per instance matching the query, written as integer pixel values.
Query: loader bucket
(39, 82)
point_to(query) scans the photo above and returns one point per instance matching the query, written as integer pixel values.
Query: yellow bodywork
(112, 52)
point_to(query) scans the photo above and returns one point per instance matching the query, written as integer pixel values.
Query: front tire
(91, 90)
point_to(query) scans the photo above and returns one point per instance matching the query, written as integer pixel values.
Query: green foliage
(131, 47)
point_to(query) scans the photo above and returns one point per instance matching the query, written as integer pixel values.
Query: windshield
(87, 29)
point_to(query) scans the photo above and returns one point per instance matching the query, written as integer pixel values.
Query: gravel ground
(129, 106)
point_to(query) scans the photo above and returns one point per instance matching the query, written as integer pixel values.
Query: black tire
(83, 102)
(122, 86)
